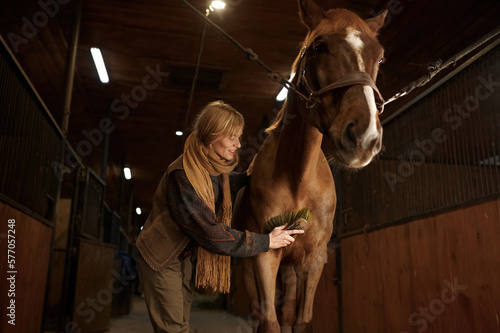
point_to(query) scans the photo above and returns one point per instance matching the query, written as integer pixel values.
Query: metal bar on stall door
(495, 143)
(460, 152)
(9, 126)
(454, 157)
(484, 161)
(426, 165)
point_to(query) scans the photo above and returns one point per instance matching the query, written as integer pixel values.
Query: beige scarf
(199, 163)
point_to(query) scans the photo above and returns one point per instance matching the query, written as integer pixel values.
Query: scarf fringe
(213, 271)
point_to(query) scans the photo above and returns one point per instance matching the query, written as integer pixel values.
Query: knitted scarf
(200, 162)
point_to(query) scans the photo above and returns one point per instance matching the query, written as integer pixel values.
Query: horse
(333, 97)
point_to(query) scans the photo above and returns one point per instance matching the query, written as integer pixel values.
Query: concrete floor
(202, 320)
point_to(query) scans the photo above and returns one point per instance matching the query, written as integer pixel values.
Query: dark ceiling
(142, 41)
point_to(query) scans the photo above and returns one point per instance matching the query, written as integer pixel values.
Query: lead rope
(435, 67)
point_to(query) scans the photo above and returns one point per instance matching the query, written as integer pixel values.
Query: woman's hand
(280, 237)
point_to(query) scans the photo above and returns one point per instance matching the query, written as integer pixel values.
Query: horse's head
(338, 67)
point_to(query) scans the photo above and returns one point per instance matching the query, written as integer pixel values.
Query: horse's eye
(381, 61)
(320, 48)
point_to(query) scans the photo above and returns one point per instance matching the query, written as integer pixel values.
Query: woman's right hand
(280, 237)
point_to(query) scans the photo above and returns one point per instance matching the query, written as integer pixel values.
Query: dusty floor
(202, 320)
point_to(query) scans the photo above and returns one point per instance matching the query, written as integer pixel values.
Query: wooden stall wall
(438, 274)
(94, 286)
(26, 285)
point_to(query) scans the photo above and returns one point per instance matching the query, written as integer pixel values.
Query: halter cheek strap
(354, 78)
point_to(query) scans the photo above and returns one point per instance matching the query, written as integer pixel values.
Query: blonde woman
(191, 214)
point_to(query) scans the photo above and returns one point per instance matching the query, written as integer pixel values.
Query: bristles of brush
(287, 218)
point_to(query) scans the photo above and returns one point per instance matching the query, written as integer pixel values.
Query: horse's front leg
(288, 300)
(308, 277)
(251, 287)
(266, 268)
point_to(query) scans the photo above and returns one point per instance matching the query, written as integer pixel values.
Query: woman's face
(227, 146)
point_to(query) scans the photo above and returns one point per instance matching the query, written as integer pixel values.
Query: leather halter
(354, 78)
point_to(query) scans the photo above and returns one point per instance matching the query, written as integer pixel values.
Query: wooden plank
(444, 270)
(377, 284)
(349, 259)
(424, 281)
(462, 305)
(479, 289)
(355, 286)
(396, 279)
(491, 219)
(363, 286)
(326, 310)
(32, 250)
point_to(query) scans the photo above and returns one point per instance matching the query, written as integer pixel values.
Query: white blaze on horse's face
(353, 39)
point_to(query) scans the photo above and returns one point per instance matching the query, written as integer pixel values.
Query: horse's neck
(299, 146)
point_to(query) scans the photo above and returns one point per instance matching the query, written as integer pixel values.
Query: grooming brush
(290, 219)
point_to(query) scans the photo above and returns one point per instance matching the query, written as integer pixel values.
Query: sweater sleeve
(199, 222)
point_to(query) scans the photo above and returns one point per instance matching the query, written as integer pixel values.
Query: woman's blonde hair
(216, 120)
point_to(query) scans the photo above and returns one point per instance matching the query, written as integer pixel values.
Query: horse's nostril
(350, 138)
(378, 145)
(375, 145)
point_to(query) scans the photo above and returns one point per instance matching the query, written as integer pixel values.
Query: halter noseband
(354, 78)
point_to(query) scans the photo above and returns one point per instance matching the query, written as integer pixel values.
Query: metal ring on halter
(313, 102)
(380, 107)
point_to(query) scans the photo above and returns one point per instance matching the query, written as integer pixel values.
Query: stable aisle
(202, 321)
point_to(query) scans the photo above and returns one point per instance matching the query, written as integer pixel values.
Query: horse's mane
(279, 119)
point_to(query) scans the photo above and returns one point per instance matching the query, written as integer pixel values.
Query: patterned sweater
(196, 219)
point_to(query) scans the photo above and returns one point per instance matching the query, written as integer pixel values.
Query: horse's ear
(310, 13)
(375, 23)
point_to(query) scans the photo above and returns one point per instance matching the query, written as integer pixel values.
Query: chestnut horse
(335, 98)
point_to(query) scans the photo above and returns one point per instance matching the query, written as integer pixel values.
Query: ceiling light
(127, 173)
(179, 133)
(99, 64)
(218, 4)
(138, 211)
